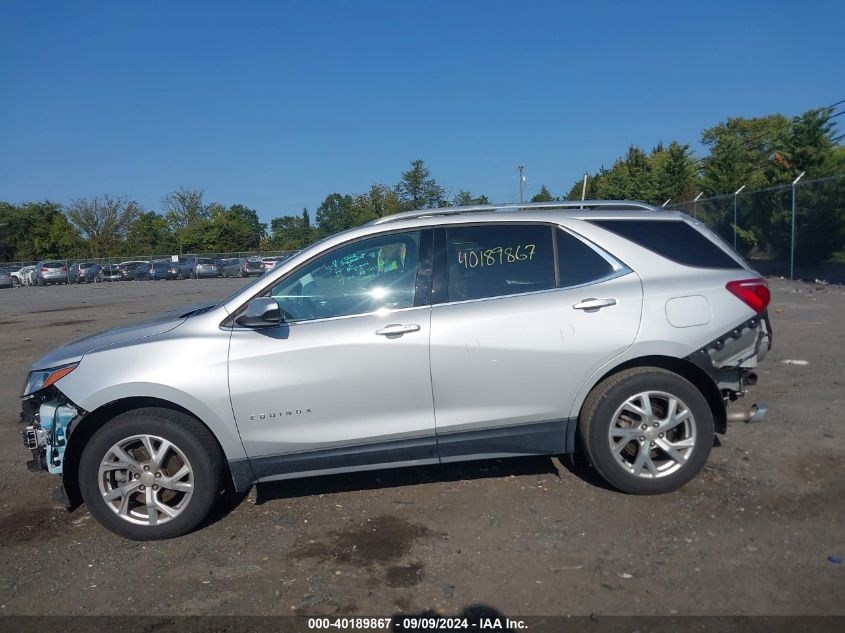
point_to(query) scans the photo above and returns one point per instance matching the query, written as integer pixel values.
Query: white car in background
(24, 276)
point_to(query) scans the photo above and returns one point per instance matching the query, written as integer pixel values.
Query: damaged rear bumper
(731, 361)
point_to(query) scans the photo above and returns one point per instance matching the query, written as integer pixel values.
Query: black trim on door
(537, 438)
(346, 457)
(425, 265)
(440, 279)
(552, 437)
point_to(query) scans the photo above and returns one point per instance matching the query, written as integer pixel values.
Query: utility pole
(519, 169)
(584, 187)
(694, 204)
(792, 239)
(736, 194)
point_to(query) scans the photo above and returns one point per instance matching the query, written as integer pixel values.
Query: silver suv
(611, 328)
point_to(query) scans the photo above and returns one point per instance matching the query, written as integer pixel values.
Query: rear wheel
(646, 430)
(151, 474)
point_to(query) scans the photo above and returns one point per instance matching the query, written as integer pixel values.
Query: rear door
(523, 314)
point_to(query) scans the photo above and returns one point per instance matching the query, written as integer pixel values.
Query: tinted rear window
(673, 239)
(577, 262)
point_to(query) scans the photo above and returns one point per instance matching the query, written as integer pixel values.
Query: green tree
(465, 199)
(738, 150)
(335, 214)
(544, 195)
(149, 234)
(378, 202)
(34, 230)
(418, 190)
(675, 173)
(291, 232)
(103, 220)
(188, 218)
(233, 229)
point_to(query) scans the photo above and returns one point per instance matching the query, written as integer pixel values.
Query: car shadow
(407, 477)
(404, 477)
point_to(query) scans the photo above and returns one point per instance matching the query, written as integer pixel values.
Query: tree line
(757, 152)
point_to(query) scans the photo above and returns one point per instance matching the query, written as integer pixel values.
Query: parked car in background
(92, 274)
(251, 267)
(109, 272)
(230, 267)
(185, 266)
(51, 272)
(26, 275)
(80, 272)
(17, 275)
(270, 262)
(204, 267)
(6, 278)
(155, 271)
(127, 269)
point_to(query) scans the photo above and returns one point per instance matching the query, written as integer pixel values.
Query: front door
(345, 382)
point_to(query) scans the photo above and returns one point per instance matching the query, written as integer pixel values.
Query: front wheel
(646, 430)
(151, 474)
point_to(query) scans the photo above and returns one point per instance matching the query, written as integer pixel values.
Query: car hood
(73, 352)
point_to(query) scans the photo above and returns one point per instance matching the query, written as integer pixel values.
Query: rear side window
(497, 260)
(673, 239)
(578, 263)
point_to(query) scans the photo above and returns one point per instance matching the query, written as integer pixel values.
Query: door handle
(593, 305)
(397, 329)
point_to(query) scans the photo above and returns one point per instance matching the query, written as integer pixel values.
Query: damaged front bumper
(49, 417)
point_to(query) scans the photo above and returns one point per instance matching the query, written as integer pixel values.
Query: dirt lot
(751, 535)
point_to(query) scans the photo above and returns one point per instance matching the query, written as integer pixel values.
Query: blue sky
(277, 104)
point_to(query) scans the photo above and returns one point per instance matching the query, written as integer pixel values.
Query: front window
(362, 277)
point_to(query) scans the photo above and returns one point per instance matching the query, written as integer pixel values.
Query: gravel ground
(751, 535)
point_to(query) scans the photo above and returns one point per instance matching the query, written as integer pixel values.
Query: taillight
(752, 292)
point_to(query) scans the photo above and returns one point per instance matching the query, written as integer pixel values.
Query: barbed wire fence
(794, 230)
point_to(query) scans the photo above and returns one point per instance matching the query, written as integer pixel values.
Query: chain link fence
(794, 230)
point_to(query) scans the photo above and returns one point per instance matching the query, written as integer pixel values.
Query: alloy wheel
(146, 480)
(653, 434)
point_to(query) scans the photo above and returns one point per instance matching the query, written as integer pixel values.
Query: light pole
(736, 194)
(792, 238)
(519, 169)
(695, 205)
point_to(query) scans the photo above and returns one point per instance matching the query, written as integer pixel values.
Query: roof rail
(618, 205)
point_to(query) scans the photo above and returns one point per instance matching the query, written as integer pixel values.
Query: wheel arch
(95, 420)
(684, 368)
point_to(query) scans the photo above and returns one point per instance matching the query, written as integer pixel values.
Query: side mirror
(260, 312)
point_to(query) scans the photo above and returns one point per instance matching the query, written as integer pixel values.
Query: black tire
(190, 436)
(597, 416)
